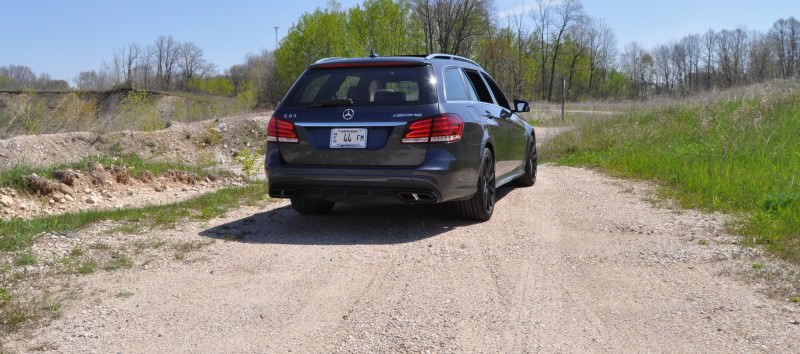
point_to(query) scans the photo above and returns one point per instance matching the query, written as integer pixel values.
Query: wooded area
(528, 52)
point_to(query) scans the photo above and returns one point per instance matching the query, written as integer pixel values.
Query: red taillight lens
(281, 131)
(445, 128)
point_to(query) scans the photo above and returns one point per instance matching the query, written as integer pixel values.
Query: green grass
(16, 234)
(14, 312)
(119, 261)
(184, 248)
(24, 259)
(87, 267)
(739, 156)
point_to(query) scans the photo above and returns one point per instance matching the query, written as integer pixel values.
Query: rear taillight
(281, 131)
(445, 128)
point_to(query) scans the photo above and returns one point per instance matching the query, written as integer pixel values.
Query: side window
(498, 94)
(479, 86)
(454, 88)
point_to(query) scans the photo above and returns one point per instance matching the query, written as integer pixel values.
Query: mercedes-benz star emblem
(348, 114)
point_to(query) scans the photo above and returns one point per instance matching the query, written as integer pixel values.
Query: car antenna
(372, 53)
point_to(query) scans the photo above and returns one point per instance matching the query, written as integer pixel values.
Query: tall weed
(737, 155)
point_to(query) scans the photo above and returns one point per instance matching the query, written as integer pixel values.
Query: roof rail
(451, 57)
(326, 59)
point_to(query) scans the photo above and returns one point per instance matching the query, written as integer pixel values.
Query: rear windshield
(366, 86)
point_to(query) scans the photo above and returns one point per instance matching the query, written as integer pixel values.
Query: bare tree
(130, 58)
(793, 46)
(542, 18)
(601, 45)
(21, 75)
(731, 55)
(760, 65)
(451, 26)
(164, 56)
(691, 45)
(709, 44)
(568, 12)
(785, 34)
(190, 61)
(639, 65)
(662, 56)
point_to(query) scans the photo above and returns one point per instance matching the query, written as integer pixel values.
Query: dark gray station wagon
(416, 130)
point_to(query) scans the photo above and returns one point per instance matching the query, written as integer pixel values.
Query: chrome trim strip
(350, 124)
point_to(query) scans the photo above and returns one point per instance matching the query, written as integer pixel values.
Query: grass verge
(16, 234)
(736, 155)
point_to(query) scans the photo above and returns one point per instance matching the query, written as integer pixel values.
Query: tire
(481, 206)
(531, 166)
(308, 206)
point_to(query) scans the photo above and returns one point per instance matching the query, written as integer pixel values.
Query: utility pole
(563, 95)
(276, 37)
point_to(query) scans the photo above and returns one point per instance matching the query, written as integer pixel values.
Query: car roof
(403, 59)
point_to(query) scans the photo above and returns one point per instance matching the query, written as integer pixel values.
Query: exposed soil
(206, 142)
(580, 262)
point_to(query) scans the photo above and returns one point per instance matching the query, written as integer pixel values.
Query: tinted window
(366, 86)
(479, 86)
(454, 88)
(498, 94)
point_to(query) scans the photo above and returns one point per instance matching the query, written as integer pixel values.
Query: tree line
(21, 77)
(529, 52)
(165, 64)
(714, 60)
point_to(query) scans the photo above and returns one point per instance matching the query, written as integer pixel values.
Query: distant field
(28, 112)
(736, 152)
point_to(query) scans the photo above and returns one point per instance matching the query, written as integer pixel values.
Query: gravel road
(580, 262)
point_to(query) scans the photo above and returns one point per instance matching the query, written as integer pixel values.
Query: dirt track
(578, 263)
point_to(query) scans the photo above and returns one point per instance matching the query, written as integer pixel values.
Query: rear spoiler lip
(366, 64)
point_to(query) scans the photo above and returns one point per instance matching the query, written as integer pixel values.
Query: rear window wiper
(333, 103)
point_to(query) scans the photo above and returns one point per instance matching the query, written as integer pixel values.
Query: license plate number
(349, 138)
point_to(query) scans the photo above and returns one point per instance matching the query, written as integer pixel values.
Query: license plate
(349, 138)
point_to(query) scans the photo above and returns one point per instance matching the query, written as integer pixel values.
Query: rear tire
(481, 206)
(531, 166)
(308, 206)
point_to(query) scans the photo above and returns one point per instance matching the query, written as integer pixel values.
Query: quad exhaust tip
(417, 197)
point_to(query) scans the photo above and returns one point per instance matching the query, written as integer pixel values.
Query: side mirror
(521, 106)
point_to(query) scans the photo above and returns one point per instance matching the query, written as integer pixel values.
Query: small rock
(6, 201)
(87, 190)
(63, 188)
(92, 199)
(69, 198)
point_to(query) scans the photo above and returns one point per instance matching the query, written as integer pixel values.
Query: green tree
(7, 83)
(386, 26)
(320, 34)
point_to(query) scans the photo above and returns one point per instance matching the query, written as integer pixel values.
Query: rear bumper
(440, 178)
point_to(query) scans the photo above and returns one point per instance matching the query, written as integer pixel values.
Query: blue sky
(63, 37)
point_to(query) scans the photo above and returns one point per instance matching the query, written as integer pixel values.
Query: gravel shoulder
(580, 262)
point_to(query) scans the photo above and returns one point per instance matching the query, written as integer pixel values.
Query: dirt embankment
(211, 142)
